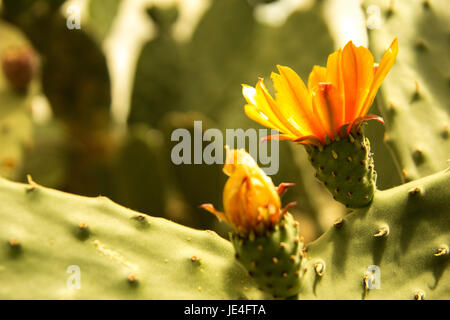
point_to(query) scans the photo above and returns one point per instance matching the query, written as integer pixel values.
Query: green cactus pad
(346, 168)
(273, 259)
(414, 97)
(120, 254)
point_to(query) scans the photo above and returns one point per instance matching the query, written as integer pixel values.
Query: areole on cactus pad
(327, 114)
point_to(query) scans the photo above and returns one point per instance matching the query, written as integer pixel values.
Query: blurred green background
(90, 111)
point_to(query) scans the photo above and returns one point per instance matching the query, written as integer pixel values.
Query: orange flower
(250, 199)
(337, 99)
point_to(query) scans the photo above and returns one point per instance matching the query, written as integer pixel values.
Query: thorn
(404, 174)
(14, 243)
(31, 184)
(132, 278)
(334, 154)
(416, 94)
(419, 295)
(415, 191)
(391, 107)
(333, 173)
(195, 259)
(441, 252)
(426, 4)
(382, 232)
(260, 247)
(275, 260)
(319, 268)
(285, 274)
(421, 46)
(338, 223)
(350, 138)
(292, 258)
(445, 132)
(282, 245)
(83, 225)
(349, 159)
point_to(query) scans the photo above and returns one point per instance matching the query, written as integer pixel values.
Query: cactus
(126, 255)
(414, 98)
(164, 260)
(404, 232)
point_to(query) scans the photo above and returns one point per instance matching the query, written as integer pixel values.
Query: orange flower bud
(250, 199)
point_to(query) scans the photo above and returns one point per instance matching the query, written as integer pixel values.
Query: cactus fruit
(346, 168)
(273, 258)
(414, 99)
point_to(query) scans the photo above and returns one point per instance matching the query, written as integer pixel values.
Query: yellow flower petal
(357, 70)
(385, 65)
(293, 95)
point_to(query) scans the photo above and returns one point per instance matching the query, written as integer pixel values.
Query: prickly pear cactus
(402, 240)
(126, 255)
(414, 98)
(162, 261)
